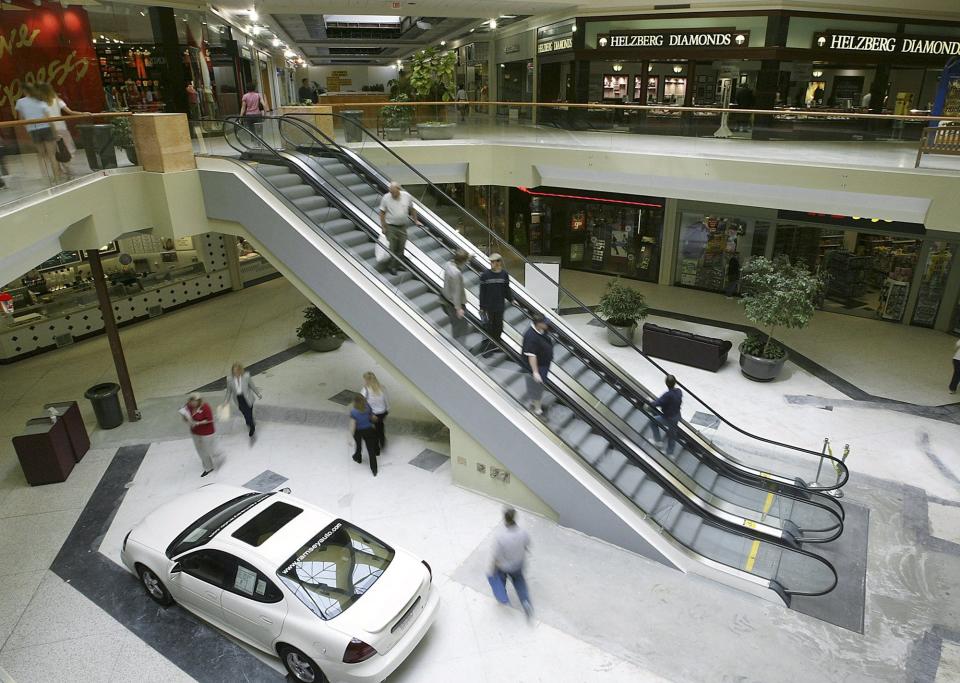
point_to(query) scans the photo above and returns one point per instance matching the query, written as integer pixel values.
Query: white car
(332, 601)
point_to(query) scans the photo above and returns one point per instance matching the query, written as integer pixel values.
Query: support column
(173, 87)
(233, 261)
(668, 241)
(765, 97)
(113, 334)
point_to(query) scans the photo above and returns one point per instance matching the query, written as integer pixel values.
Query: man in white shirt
(396, 214)
(462, 97)
(510, 547)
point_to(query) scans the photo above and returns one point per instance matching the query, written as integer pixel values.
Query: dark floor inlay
(705, 420)
(429, 460)
(197, 649)
(260, 366)
(266, 481)
(344, 398)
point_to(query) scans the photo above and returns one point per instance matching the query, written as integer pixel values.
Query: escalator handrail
(838, 464)
(772, 582)
(786, 492)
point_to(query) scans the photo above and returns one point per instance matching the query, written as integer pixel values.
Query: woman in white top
(376, 398)
(59, 108)
(33, 106)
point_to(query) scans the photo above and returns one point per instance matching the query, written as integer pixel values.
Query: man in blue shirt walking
(669, 405)
(537, 352)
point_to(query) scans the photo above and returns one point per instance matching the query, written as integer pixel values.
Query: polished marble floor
(628, 619)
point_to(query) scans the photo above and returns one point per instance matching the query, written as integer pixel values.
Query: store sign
(52, 44)
(863, 223)
(723, 38)
(886, 43)
(555, 45)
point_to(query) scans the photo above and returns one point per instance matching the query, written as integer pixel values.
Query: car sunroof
(266, 524)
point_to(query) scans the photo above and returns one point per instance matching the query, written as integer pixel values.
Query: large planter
(324, 344)
(393, 133)
(627, 332)
(131, 152)
(761, 369)
(436, 131)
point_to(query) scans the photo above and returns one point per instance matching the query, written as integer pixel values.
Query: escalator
(724, 519)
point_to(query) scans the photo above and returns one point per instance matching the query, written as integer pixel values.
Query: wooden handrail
(648, 107)
(103, 115)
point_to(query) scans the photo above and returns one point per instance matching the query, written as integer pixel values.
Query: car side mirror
(285, 489)
(176, 568)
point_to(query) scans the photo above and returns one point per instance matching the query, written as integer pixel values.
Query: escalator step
(705, 476)
(686, 527)
(610, 464)
(312, 203)
(514, 316)
(622, 407)
(559, 416)
(370, 199)
(353, 239)
(594, 447)
(638, 420)
(574, 433)
(629, 479)
(424, 299)
(365, 252)
(338, 226)
(358, 188)
(687, 461)
(470, 278)
(297, 192)
(412, 288)
(605, 394)
(648, 496)
(285, 180)
(271, 170)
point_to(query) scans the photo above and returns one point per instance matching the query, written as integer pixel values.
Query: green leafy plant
(622, 306)
(396, 116)
(122, 131)
(316, 325)
(777, 293)
(433, 75)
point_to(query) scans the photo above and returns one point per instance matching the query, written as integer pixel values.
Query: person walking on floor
(376, 398)
(510, 547)
(669, 405)
(494, 295)
(32, 106)
(362, 429)
(537, 354)
(198, 414)
(241, 391)
(733, 276)
(396, 213)
(956, 369)
(455, 295)
(251, 106)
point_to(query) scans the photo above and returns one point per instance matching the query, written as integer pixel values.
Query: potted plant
(433, 78)
(123, 137)
(319, 332)
(622, 308)
(776, 293)
(396, 119)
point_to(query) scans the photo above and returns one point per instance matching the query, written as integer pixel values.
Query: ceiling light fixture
(817, 74)
(142, 13)
(443, 43)
(574, 29)
(618, 67)
(492, 23)
(276, 42)
(677, 69)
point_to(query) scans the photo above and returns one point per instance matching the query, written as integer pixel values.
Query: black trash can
(106, 404)
(97, 141)
(352, 118)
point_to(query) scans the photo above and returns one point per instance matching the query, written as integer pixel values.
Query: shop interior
(600, 232)
(515, 85)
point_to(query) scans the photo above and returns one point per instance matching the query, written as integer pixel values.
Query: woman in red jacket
(199, 415)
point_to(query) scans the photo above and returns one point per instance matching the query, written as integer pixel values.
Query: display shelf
(893, 299)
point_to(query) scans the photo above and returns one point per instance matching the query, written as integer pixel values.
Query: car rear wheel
(301, 667)
(155, 588)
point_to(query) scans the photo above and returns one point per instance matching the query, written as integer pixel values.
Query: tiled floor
(602, 613)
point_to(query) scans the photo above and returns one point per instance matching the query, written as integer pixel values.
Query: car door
(197, 580)
(254, 605)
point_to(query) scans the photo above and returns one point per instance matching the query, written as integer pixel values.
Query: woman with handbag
(240, 391)
(376, 398)
(251, 106)
(65, 148)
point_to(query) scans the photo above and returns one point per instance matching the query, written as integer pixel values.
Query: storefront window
(935, 273)
(708, 244)
(599, 232)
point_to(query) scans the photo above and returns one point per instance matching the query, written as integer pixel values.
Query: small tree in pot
(776, 293)
(434, 78)
(123, 137)
(319, 332)
(396, 118)
(622, 307)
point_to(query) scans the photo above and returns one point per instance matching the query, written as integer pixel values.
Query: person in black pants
(669, 405)
(733, 276)
(956, 369)
(494, 295)
(537, 354)
(241, 391)
(362, 429)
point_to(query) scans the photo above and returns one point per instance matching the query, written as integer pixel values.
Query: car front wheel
(155, 588)
(301, 667)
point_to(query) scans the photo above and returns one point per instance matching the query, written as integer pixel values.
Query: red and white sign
(6, 303)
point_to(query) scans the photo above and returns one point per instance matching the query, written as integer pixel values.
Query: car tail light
(358, 651)
(429, 569)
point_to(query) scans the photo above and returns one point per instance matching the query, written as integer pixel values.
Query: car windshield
(337, 566)
(208, 526)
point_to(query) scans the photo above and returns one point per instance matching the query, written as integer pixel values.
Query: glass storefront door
(708, 243)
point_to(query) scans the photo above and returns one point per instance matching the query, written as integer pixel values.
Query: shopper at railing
(61, 133)
(32, 106)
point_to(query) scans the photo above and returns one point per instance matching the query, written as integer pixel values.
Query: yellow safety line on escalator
(752, 557)
(767, 504)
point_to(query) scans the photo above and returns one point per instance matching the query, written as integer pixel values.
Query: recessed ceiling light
(276, 42)
(492, 23)
(142, 13)
(443, 43)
